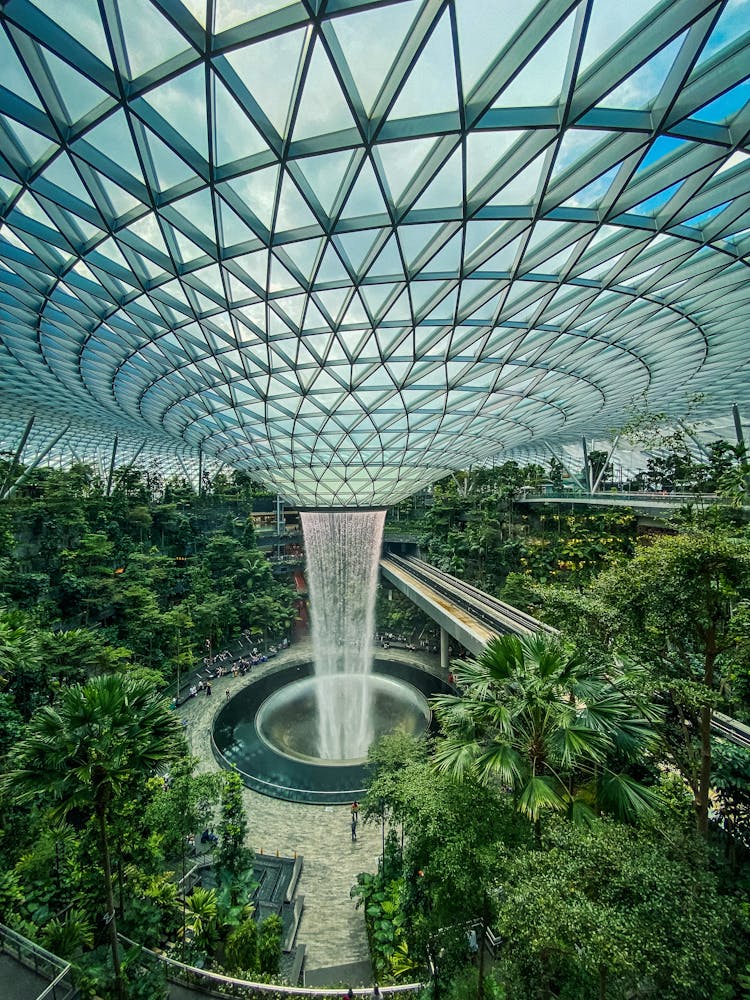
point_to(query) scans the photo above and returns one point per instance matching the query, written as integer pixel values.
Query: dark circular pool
(269, 730)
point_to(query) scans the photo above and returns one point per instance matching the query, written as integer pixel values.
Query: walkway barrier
(670, 499)
(42, 962)
(214, 984)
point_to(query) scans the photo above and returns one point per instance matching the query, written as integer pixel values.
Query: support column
(13, 465)
(111, 468)
(741, 443)
(586, 466)
(280, 524)
(444, 656)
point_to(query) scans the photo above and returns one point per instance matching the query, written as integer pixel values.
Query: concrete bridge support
(444, 646)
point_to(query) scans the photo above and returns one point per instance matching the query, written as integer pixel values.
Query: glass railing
(43, 963)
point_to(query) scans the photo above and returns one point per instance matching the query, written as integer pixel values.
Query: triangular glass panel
(400, 311)
(484, 29)
(388, 261)
(236, 136)
(365, 199)
(608, 24)
(642, 88)
(291, 306)
(699, 221)
(522, 189)
(111, 138)
(198, 210)
(147, 229)
(234, 230)
(331, 268)
(356, 246)
(482, 311)
(303, 255)
(375, 296)
(422, 292)
(447, 259)
(431, 86)
(594, 193)
(82, 21)
(255, 265)
(318, 114)
(169, 168)
(293, 212)
(281, 279)
(725, 107)
(181, 101)
(654, 204)
(399, 163)
(258, 191)
(446, 188)
(314, 318)
(187, 251)
(325, 174)
(269, 70)
(484, 152)
(15, 77)
(573, 151)
(355, 312)
(230, 14)
(504, 258)
(63, 175)
(33, 145)
(415, 240)
(122, 201)
(540, 81)
(732, 23)
(478, 232)
(150, 39)
(370, 41)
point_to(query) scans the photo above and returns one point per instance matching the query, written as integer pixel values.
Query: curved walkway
(331, 929)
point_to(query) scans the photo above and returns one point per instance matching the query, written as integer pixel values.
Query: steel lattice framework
(349, 246)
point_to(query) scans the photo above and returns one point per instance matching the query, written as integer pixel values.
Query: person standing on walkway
(354, 827)
(208, 689)
(227, 694)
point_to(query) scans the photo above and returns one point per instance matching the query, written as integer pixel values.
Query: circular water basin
(269, 730)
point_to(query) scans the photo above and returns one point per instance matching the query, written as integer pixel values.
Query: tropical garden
(575, 808)
(110, 592)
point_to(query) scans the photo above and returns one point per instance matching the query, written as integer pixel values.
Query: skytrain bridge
(472, 617)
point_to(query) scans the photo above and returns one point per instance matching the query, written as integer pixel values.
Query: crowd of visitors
(225, 665)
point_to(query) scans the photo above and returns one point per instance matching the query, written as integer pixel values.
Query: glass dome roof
(350, 246)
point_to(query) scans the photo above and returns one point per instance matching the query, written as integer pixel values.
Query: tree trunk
(704, 781)
(111, 919)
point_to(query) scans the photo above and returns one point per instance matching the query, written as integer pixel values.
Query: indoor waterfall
(343, 552)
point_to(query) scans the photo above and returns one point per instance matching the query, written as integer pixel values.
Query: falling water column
(343, 553)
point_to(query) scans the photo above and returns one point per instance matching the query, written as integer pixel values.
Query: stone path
(332, 930)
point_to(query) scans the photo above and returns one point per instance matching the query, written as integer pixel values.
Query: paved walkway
(18, 982)
(332, 930)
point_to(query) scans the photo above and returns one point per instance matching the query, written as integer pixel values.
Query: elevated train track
(502, 618)
(491, 612)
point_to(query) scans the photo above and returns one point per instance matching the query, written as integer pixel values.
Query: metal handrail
(50, 992)
(32, 955)
(190, 972)
(638, 495)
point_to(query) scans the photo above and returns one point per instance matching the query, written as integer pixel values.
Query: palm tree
(546, 724)
(88, 752)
